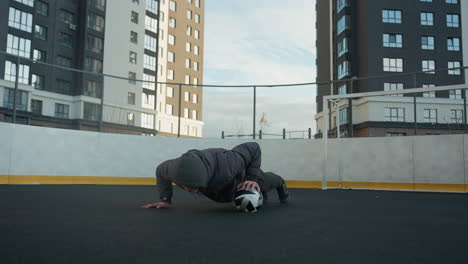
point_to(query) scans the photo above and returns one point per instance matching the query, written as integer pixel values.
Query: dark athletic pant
(269, 181)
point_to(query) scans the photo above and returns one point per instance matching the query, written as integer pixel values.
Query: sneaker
(283, 193)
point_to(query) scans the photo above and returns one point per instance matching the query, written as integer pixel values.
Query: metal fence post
(284, 133)
(310, 133)
(16, 89)
(254, 109)
(260, 134)
(222, 134)
(464, 110)
(102, 108)
(180, 109)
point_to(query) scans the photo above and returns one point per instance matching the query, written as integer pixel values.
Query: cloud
(261, 42)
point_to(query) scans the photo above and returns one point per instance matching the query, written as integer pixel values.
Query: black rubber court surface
(105, 224)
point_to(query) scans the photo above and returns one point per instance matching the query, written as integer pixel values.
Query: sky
(259, 42)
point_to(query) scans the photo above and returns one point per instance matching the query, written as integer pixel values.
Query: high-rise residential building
(146, 41)
(386, 37)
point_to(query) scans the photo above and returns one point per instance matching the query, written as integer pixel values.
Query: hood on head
(191, 171)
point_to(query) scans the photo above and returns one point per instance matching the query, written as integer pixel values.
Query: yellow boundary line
(102, 180)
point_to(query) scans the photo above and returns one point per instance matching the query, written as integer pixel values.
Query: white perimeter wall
(29, 150)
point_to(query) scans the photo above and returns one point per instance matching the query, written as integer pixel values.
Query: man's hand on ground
(157, 205)
(248, 186)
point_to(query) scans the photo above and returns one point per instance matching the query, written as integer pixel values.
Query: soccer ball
(248, 201)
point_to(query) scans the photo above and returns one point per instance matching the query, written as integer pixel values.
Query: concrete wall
(356, 163)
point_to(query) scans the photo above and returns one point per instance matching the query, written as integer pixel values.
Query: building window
(18, 46)
(189, 30)
(93, 65)
(189, 14)
(148, 81)
(342, 47)
(66, 16)
(42, 8)
(394, 114)
(92, 88)
(392, 40)
(92, 111)
(187, 97)
(172, 22)
(130, 119)
(170, 92)
(94, 44)
(26, 2)
(20, 20)
(430, 115)
(451, 1)
(392, 65)
(195, 49)
(132, 57)
(187, 63)
(99, 4)
(341, 25)
(197, 3)
(40, 32)
(197, 18)
(36, 107)
(147, 121)
(186, 113)
(170, 56)
(133, 37)
(343, 116)
(391, 16)
(195, 66)
(63, 61)
(62, 110)
(150, 43)
(149, 62)
(147, 100)
(455, 94)
(96, 22)
(453, 20)
(131, 98)
(427, 19)
(161, 16)
(453, 44)
(37, 81)
(170, 74)
(188, 46)
(172, 5)
(10, 72)
(63, 86)
(21, 99)
(187, 79)
(171, 39)
(428, 66)
(196, 34)
(65, 40)
(195, 81)
(427, 42)
(134, 17)
(132, 77)
(195, 99)
(429, 94)
(427, 1)
(342, 89)
(456, 116)
(152, 6)
(340, 4)
(393, 87)
(39, 55)
(194, 115)
(452, 65)
(168, 109)
(343, 69)
(151, 24)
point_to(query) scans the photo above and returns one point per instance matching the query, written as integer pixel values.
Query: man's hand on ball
(248, 186)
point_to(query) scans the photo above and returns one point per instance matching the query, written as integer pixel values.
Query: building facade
(130, 39)
(382, 38)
